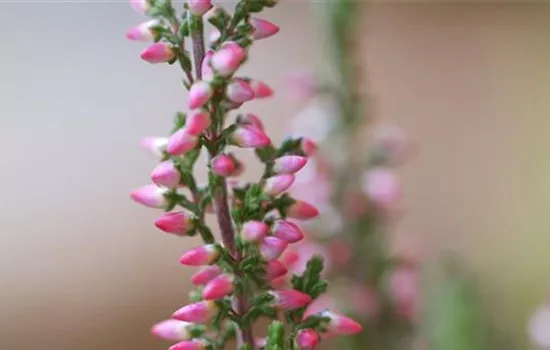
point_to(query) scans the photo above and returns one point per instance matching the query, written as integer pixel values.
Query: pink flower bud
(278, 184)
(289, 164)
(252, 120)
(199, 7)
(275, 269)
(155, 145)
(228, 59)
(172, 330)
(143, 31)
(224, 165)
(165, 174)
(219, 287)
(200, 312)
(309, 147)
(141, 6)
(181, 142)
(197, 121)
(287, 231)
(151, 196)
(302, 211)
(262, 28)
(272, 247)
(207, 71)
(247, 136)
(199, 94)
(195, 344)
(290, 299)
(382, 186)
(254, 231)
(341, 325)
(178, 223)
(158, 53)
(239, 91)
(307, 339)
(199, 256)
(261, 89)
(205, 275)
(301, 85)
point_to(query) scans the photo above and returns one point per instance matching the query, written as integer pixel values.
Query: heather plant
(257, 221)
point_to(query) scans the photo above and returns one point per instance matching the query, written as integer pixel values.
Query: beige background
(83, 268)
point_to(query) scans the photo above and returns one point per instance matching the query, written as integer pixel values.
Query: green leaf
(220, 19)
(185, 61)
(266, 154)
(290, 146)
(275, 336)
(179, 121)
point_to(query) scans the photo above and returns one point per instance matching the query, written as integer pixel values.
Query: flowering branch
(236, 284)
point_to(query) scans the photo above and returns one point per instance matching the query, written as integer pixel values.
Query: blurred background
(84, 268)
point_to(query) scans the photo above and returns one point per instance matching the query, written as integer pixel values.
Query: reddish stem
(221, 205)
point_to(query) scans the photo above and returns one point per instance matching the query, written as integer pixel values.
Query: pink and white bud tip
(151, 196)
(172, 330)
(199, 312)
(277, 184)
(155, 145)
(290, 299)
(289, 164)
(254, 231)
(144, 31)
(166, 174)
(247, 136)
(205, 275)
(340, 324)
(272, 247)
(203, 255)
(287, 231)
(178, 223)
(199, 94)
(181, 142)
(159, 53)
(219, 287)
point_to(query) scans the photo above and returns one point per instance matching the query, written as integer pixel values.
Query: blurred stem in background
(355, 168)
(351, 159)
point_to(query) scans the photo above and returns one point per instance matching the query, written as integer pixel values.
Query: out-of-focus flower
(382, 186)
(316, 120)
(301, 85)
(538, 327)
(403, 288)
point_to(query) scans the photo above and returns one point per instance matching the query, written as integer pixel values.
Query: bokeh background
(82, 267)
